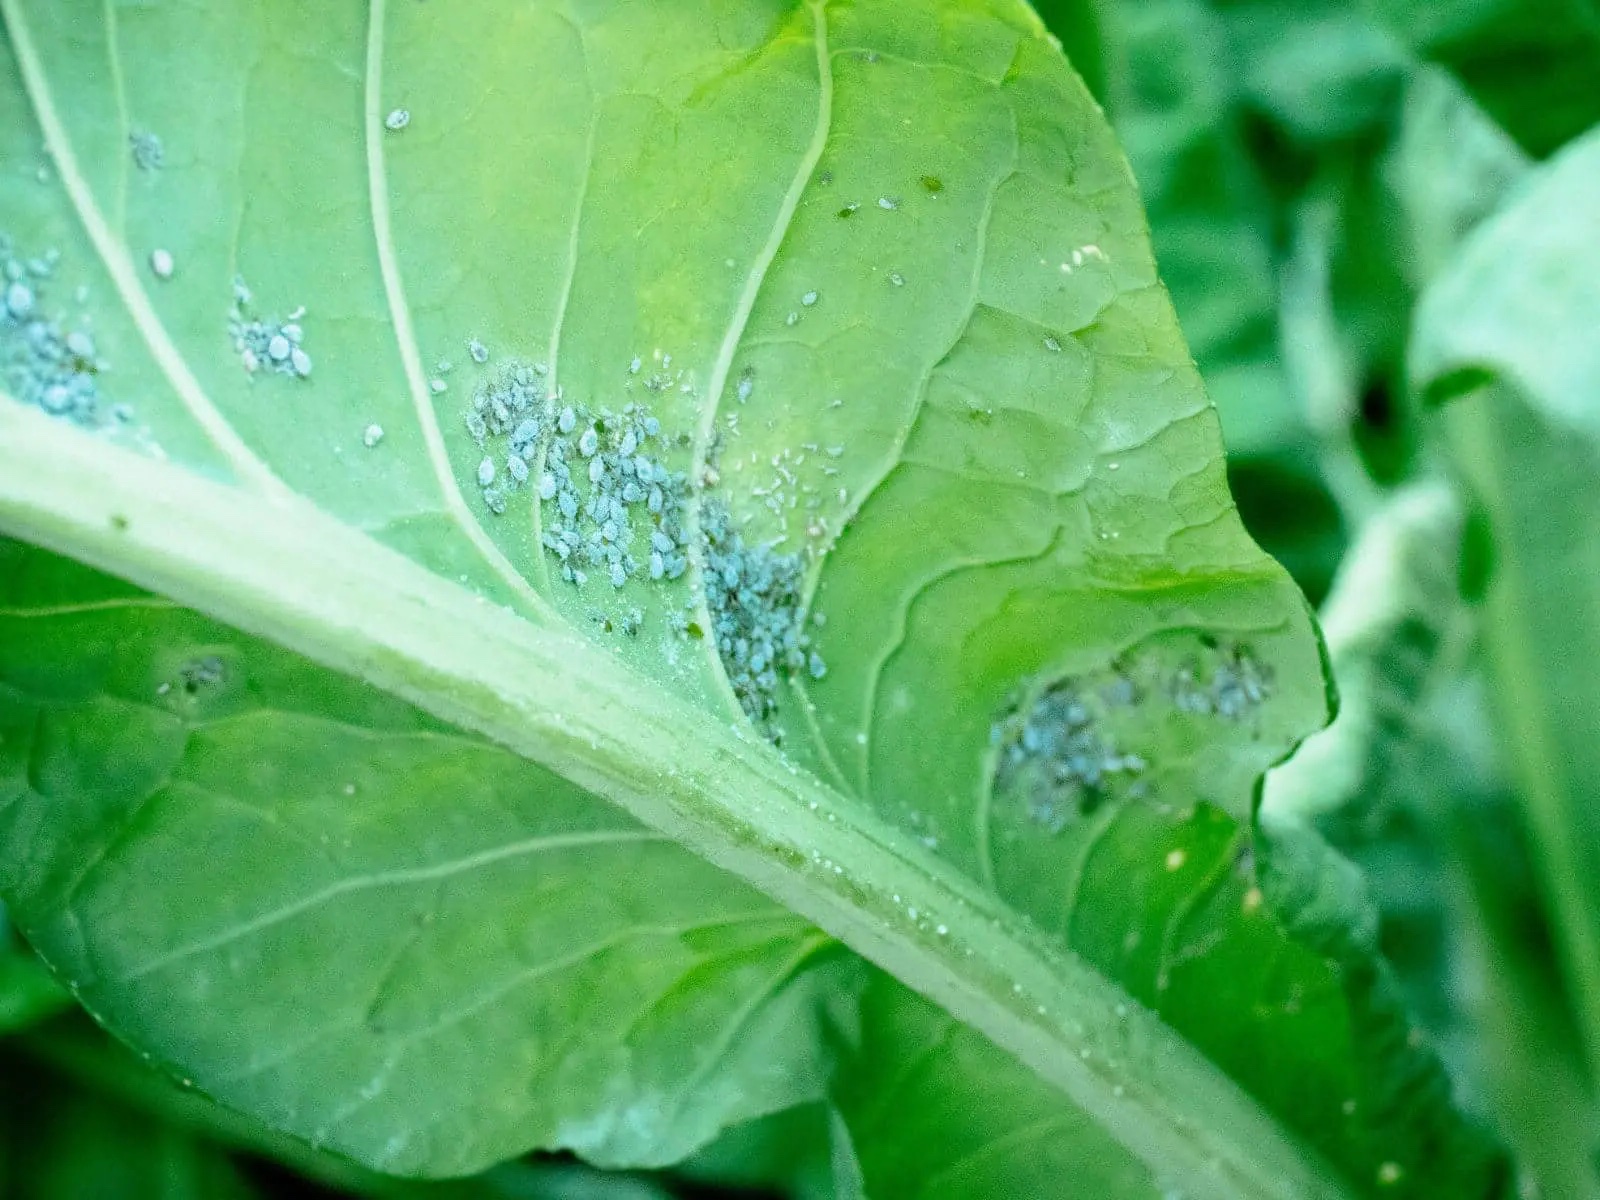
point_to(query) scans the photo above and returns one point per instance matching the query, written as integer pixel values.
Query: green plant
(659, 582)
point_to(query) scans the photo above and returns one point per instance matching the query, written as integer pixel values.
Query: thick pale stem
(282, 570)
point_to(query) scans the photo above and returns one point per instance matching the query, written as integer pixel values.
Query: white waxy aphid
(80, 344)
(479, 352)
(372, 435)
(517, 466)
(809, 298)
(1051, 344)
(568, 420)
(589, 442)
(398, 119)
(747, 385)
(251, 363)
(279, 347)
(792, 319)
(300, 361)
(161, 263)
(547, 486)
(888, 203)
(486, 472)
(437, 386)
(897, 279)
(658, 565)
(19, 299)
(294, 333)
(597, 470)
(148, 153)
(635, 365)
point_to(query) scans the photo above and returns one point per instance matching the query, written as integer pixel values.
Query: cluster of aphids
(1060, 756)
(611, 507)
(608, 503)
(42, 361)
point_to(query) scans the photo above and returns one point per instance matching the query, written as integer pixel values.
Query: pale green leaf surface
(933, 1110)
(891, 297)
(517, 963)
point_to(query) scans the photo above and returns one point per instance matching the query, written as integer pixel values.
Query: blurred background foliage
(1380, 224)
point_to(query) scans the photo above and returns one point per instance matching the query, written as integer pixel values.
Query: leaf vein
(405, 333)
(408, 877)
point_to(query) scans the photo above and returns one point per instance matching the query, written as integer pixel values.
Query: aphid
(300, 361)
(19, 300)
(897, 279)
(888, 203)
(809, 299)
(161, 263)
(148, 153)
(278, 348)
(397, 119)
(517, 467)
(747, 384)
(479, 352)
(849, 210)
(568, 421)
(437, 386)
(547, 486)
(933, 184)
(372, 435)
(486, 472)
(589, 442)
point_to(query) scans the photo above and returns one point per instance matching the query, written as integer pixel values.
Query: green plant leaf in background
(1530, 63)
(1503, 334)
(27, 992)
(636, 390)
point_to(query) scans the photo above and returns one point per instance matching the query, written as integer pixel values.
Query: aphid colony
(598, 476)
(757, 617)
(1061, 759)
(1055, 756)
(612, 509)
(42, 362)
(267, 345)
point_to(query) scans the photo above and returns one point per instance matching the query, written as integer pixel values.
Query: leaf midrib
(320, 589)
